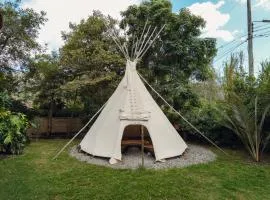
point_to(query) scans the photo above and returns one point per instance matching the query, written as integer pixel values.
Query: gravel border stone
(131, 159)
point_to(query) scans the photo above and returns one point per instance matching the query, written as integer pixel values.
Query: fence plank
(61, 125)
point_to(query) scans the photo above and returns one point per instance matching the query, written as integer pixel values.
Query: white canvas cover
(131, 104)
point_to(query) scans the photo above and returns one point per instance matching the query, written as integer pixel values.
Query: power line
(230, 51)
(261, 34)
(261, 29)
(265, 36)
(239, 37)
(236, 39)
(259, 26)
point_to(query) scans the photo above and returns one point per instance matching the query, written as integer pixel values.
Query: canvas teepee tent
(132, 105)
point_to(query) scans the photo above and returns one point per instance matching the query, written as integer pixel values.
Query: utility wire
(259, 26)
(229, 51)
(262, 34)
(243, 35)
(233, 41)
(261, 29)
(257, 29)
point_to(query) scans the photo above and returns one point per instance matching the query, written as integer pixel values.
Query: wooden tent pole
(142, 146)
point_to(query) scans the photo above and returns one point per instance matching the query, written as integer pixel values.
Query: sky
(225, 20)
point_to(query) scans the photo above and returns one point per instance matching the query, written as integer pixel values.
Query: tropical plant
(12, 132)
(247, 125)
(236, 80)
(245, 108)
(12, 128)
(264, 82)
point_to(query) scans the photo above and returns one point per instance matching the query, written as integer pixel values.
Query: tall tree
(43, 81)
(17, 39)
(92, 61)
(1, 20)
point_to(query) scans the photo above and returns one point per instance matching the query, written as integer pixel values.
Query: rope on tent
(197, 130)
(79, 132)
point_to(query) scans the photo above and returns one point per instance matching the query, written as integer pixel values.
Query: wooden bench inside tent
(132, 138)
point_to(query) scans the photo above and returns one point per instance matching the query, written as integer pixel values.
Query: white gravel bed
(131, 159)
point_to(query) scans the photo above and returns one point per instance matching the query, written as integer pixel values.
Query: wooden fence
(61, 126)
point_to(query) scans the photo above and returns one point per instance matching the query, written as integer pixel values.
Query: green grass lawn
(34, 175)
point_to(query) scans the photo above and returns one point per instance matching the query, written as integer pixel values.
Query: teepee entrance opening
(137, 136)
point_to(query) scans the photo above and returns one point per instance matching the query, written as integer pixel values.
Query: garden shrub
(12, 128)
(208, 121)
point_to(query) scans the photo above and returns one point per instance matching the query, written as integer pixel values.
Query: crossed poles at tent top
(139, 45)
